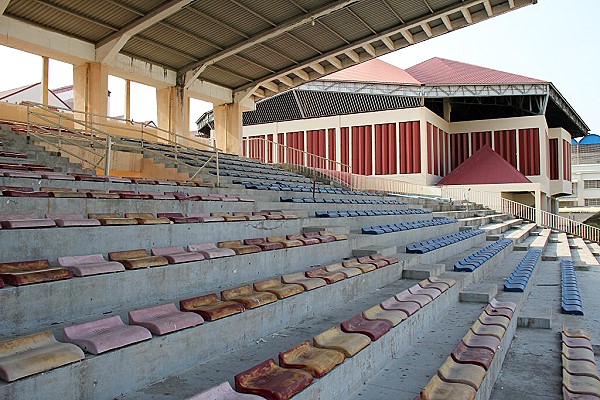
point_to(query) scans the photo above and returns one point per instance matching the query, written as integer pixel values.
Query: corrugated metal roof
(374, 71)
(484, 167)
(441, 71)
(198, 33)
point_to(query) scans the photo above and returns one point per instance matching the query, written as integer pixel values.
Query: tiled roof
(441, 71)
(484, 167)
(375, 71)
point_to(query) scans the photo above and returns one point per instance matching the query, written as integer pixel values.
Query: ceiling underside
(253, 47)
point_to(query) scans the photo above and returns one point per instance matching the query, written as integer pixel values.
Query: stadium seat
(164, 319)
(314, 360)
(94, 264)
(33, 354)
(100, 336)
(249, 297)
(30, 272)
(272, 381)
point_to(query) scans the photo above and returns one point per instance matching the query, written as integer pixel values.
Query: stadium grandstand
(285, 256)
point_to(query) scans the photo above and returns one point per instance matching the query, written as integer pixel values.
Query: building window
(592, 202)
(591, 184)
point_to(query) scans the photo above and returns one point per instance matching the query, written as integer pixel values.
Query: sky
(553, 40)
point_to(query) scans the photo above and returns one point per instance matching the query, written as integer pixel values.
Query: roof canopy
(251, 49)
(475, 93)
(484, 167)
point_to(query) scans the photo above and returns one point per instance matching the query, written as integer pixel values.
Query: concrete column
(45, 69)
(127, 99)
(173, 110)
(228, 127)
(90, 89)
(447, 109)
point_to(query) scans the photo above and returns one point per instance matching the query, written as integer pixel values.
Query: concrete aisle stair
(582, 256)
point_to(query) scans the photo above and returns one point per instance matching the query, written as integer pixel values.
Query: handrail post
(59, 133)
(108, 155)
(218, 172)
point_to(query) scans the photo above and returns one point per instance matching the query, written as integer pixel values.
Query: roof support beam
(408, 36)
(389, 43)
(467, 15)
(3, 5)
(286, 80)
(427, 29)
(273, 87)
(109, 46)
(318, 68)
(302, 74)
(286, 26)
(447, 22)
(353, 55)
(369, 49)
(335, 62)
(488, 8)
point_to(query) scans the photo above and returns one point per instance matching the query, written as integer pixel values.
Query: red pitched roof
(484, 167)
(375, 71)
(441, 71)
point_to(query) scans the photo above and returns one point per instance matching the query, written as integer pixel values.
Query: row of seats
(518, 279)
(571, 298)
(20, 221)
(20, 191)
(246, 174)
(579, 370)
(28, 355)
(286, 199)
(461, 375)
(36, 171)
(480, 257)
(12, 154)
(442, 241)
(365, 213)
(280, 186)
(404, 226)
(300, 365)
(38, 271)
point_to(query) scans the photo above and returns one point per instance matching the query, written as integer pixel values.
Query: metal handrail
(301, 159)
(98, 137)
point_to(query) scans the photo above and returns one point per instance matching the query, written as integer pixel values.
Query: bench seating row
(480, 257)
(518, 279)
(286, 199)
(364, 213)
(300, 365)
(279, 186)
(404, 226)
(442, 241)
(461, 375)
(579, 370)
(28, 355)
(36, 171)
(20, 191)
(237, 173)
(20, 221)
(12, 154)
(571, 302)
(39, 271)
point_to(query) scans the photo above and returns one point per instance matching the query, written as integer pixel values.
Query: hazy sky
(554, 40)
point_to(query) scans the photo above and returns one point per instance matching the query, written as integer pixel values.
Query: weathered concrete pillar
(127, 99)
(45, 72)
(173, 106)
(228, 127)
(90, 88)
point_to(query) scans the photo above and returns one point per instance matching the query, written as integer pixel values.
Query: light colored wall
(424, 115)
